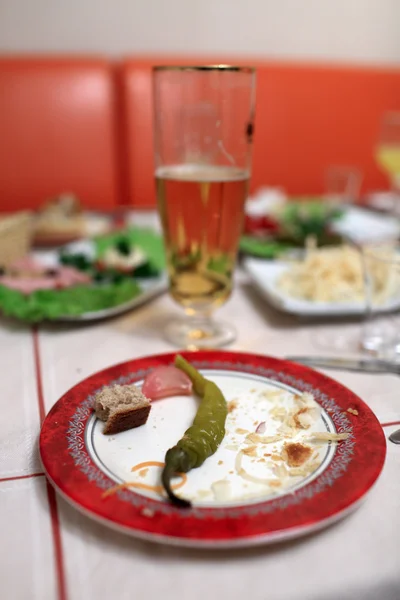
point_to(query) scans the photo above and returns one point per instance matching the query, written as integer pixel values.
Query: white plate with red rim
(230, 507)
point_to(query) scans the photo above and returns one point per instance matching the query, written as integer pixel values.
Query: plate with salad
(276, 225)
(85, 280)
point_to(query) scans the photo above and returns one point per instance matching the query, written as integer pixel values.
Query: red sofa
(85, 125)
(58, 131)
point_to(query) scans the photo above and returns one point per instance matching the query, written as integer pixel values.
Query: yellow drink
(388, 157)
(201, 209)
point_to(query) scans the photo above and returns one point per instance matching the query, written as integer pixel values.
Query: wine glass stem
(368, 316)
(396, 198)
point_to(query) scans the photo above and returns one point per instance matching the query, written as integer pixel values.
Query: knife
(348, 364)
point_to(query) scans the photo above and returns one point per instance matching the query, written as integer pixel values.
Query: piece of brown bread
(122, 407)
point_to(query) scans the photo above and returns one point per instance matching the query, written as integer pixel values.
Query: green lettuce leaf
(55, 304)
(262, 248)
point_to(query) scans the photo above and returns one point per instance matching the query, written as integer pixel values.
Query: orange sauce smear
(158, 489)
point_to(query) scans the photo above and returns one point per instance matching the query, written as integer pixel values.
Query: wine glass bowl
(388, 148)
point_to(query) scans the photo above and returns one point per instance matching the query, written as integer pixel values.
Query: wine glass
(388, 151)
(342, 184)
(381, 330)
(203, 136)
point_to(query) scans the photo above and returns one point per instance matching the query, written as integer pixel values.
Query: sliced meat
(68, 276)
(27, 276)
(166, 381)
(27, 265)
(27, 285)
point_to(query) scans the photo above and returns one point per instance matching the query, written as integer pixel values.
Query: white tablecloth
(50, 552)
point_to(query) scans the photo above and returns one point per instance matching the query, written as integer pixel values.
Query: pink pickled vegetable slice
(166, 381)
(261, 427)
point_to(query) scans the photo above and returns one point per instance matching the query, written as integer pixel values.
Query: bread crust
(126, 418)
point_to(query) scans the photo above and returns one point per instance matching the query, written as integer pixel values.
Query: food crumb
(250, 451)
(232, 405)
(241, 431)
(276, 483)
(147, 512)
(270, 394)
(203, 494)
(296, 454)
(220, 462)
(276, 457)
(353, 411)
(253, 391)
(231, 472)
(267, 454)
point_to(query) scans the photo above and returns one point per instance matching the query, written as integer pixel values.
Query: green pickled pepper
(203, 437)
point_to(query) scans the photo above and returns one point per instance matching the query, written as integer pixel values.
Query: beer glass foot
(194, 333)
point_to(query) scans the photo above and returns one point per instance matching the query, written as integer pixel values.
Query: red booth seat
(57, 131)
(308, 117)
(85, 126)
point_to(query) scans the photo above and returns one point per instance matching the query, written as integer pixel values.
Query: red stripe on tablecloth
(51, 495)
(2, 479)
(390, 423)
(59, 554)
(38, 373)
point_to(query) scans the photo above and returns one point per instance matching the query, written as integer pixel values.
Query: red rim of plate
(356, 464)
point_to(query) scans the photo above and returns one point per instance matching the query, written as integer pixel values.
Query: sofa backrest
(85, 125)
(308, 118)
(57, 131)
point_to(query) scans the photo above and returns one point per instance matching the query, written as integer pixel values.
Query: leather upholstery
(308, 118)
(57, 131)
(84, 125)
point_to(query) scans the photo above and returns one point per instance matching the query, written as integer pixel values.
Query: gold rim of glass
(243, 69)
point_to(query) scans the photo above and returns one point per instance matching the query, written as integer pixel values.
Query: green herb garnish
(262, 248)
(146, 271)
(147, 240)
(79, 261)
(303, 218)
(123, 246)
